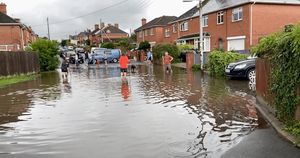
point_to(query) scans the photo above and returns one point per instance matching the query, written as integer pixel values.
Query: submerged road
(151, 114)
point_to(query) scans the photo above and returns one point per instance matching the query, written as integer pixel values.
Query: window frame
(174, 28)
(205, 21)
(167, 32)
(239, 12)
(220, 17)
(184, 26)
(151, 32)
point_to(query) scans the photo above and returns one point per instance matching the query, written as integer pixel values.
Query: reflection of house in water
(225, 114)
(17, 99)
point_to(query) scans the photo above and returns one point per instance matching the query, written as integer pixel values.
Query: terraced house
(231, 25)
(14, 36)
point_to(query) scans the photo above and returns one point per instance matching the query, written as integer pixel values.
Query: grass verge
(5, 81)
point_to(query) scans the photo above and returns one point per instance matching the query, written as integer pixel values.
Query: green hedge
(218, 60)
(160, 49)
(48, 54)
(283, 51)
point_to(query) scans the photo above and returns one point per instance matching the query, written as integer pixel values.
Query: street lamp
(201, 31)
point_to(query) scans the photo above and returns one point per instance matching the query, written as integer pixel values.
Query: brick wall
(158, 35)
(269, 18)
(10, 35)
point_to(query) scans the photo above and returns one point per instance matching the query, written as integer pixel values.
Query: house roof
(216, 5)
(112, 30)
(85, 33)
(6, 19)
(160, 21)
(95, 31)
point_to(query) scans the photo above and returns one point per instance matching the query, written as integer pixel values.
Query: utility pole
(101, 31)
(48, 28)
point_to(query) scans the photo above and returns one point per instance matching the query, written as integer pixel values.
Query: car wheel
(115, 60)
(251, 75)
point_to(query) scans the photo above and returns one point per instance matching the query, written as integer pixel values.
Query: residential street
(152, 114)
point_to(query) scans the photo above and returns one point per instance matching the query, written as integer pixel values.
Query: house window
(184, 26)
(174, 28)
(205, 21)
(220, 17)
(237, 14)
(146, 32)
(167, 32)
(151, 31)
(140, 34)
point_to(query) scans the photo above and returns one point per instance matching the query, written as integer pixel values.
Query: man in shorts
(167, 59)
(64, 69)
(149, 56)
(123, 64)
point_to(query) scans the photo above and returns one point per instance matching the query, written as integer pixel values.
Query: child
(64, 69)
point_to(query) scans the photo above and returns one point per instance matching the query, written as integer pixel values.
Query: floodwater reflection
(184, 114)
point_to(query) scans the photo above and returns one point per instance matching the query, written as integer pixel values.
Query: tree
(133, 37)
(108, 45)
(125, 44)
(87, 42)
(144, 45)
(48, 54)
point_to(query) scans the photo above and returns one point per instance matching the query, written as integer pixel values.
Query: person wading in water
(167, 59)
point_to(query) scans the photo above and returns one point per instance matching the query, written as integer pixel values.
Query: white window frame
(167, 32)
(151, 31)
(205, 21)
(220, 17)
(174, 27)
(146, 32)
(140, 34)
(184, 26)
(237, 12)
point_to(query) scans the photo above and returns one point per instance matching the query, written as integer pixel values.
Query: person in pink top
(167, 59)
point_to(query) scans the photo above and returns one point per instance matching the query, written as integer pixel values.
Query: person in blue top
(149, 56)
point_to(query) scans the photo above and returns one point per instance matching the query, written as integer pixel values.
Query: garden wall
(264, 96)
(14, 63)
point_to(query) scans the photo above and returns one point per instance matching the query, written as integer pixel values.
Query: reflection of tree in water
(17, 99)
(222, 111)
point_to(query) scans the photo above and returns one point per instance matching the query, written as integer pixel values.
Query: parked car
(98, 55)
(243, 68)
(113, 55)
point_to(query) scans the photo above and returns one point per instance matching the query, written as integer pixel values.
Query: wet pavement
(151, 114)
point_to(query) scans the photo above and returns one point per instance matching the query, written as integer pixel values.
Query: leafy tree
(144, 45)
(133, 37)
(125, 44)
(108, 45)
(87, 42)
(47, 51)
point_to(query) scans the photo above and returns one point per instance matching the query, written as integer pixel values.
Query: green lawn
(5, 81)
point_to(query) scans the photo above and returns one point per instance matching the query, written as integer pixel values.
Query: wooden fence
(14, 63)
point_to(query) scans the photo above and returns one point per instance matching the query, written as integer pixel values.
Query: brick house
(153, 31)
(14, 35)
(83, 37)
(108, 33)
(229, 25)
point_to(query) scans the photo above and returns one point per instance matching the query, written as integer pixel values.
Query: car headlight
(238, 67)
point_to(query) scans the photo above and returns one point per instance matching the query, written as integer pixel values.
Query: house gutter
(251, 23)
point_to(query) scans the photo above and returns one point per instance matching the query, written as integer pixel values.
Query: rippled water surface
(96, 114)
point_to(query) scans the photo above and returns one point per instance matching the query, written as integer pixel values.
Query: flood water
(153, 114)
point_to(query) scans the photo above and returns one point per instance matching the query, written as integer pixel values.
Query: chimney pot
(96, 26)
(144, 21)
(116, 25)
(102, 25)
(3, 8)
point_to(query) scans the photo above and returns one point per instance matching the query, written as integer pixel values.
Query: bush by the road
(48, 54)
(144, 45)
(160, 49)
(283, 51)
(108, 45)
(218, 60)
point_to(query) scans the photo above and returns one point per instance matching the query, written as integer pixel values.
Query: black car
(244, 69)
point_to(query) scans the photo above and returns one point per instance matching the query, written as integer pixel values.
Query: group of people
(124, 63)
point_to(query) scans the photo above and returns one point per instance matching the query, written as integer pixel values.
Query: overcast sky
(73, 16)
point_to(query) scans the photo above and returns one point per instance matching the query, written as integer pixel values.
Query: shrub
(196, 67)
(108, 45)
(185, 47)
(48, 54)
(159, 50)
(283, 51)
(218, 60)
(144, 45)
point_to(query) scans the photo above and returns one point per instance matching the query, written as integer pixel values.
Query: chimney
(144, 21)
(3, 8)
(116, 25)
(17, 20)
(96, 26)
(102, 25)
(109, 24)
